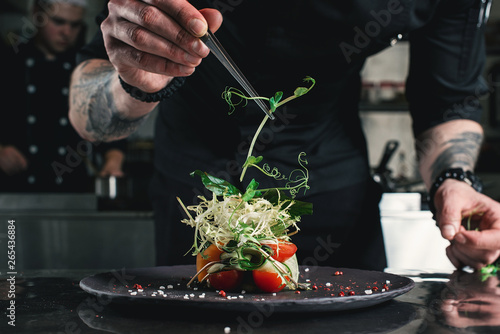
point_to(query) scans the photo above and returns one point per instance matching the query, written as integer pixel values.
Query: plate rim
(327, 304)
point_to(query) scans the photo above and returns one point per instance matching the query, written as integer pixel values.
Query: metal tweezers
(216, 48)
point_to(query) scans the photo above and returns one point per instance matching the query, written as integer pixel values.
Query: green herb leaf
(297, 209)
(299, 91)
(251, 160)
(218, 186)
(251, 191)
(273, 101)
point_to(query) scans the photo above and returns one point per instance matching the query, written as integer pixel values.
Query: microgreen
(300, 91)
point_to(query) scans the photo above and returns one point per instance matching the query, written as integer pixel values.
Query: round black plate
(118, 286)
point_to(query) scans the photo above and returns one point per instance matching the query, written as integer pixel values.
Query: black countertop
(53, 302)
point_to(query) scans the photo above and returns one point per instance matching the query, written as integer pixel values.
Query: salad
(244, 237)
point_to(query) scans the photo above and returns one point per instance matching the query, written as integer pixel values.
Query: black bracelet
(457, 174)
(166, 92)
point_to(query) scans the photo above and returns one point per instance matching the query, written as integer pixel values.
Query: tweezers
(221, 54)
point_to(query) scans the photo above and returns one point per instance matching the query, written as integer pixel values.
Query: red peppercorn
(375, 288)
(314, 287)
(341, 294)
(338, 273)
(222, 293)
(137, 286)
(351, 293)
(385, 287)
(297, 292)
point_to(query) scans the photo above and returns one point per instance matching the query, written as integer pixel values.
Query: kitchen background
(83, 231)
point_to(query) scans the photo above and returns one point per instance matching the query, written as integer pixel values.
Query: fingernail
(200, 48)
(460, 238)
(448, 231)
(198, 27)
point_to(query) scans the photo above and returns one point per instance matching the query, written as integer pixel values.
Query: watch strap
(162, 94)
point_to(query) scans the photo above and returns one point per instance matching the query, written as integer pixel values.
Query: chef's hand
(458, 203)
(113, 161)
(150, 42)
(12, 161)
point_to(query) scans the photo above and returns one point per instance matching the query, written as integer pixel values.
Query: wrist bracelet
(457, 174)
(164, 93)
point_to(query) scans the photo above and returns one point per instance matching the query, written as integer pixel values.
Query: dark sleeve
(447, 57)
(95, 48)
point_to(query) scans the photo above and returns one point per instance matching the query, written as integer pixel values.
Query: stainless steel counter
(67, 231)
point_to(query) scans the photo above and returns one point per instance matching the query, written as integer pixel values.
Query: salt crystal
(227, 330)
(306, 270)
(162, 287)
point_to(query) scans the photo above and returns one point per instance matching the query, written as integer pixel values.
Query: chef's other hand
(471, 221)
(150, 42)
(12, 161)
(113, 161)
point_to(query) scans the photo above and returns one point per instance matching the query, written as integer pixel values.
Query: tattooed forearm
(94, 99)
(460, 151)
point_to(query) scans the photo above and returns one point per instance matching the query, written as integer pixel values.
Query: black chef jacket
(276, 44)
(35, 93)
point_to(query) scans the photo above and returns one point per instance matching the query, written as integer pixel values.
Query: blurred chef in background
(39, 150)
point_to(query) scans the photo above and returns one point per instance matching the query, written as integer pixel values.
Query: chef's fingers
(146, 43)
(125, 57)
(152, 30)
(461, 255)
(213, 17)
(194, 21)
(452, 256)
(450, 200)
(485, 240)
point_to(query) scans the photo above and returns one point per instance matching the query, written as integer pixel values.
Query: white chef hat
(79, 3)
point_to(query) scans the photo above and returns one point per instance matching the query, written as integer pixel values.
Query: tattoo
(93, 98)
(462, 151)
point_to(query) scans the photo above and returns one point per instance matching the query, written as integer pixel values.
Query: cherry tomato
(212, 253)
(268, 281)
(226, 280)
(283, 250)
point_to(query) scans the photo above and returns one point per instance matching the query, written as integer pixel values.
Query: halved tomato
(223, 280)
(268, 281)
(226, 280)
(282, 251)
(212, 253)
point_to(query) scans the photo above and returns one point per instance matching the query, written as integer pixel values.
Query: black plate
(118, 286)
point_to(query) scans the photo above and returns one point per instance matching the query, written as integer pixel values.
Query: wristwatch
(457, 174)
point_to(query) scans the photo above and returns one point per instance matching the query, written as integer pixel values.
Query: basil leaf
(216, 185)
